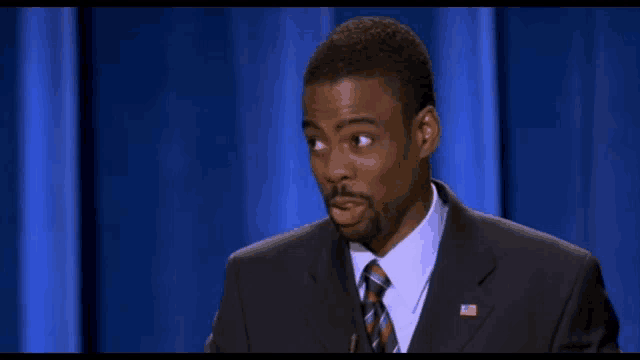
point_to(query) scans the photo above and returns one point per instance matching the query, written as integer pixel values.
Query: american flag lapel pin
(468, 310)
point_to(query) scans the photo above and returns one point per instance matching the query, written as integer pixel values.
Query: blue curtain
(195, 115)
(571, 119)
(271, 50)
(168, 177)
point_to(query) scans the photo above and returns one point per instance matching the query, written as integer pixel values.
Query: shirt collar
(409, 264)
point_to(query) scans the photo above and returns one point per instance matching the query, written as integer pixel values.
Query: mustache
(345, 191)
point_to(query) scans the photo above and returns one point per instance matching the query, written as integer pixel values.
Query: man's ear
(427, 131)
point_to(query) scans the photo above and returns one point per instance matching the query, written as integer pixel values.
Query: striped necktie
(376, 318)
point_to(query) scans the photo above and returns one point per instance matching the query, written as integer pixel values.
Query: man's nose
(340, 167)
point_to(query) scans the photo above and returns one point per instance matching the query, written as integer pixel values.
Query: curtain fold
(48, 119)
(9, 184)
(463, 54)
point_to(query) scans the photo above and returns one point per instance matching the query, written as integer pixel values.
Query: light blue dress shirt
(409, 267)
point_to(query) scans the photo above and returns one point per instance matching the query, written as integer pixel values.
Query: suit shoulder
(512, 237)
(296, 242)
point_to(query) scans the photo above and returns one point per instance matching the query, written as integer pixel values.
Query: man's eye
(362, 140)
(315, 144)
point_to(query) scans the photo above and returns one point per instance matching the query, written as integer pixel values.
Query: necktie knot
(376, 280)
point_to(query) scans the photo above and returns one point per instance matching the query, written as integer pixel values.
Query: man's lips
(347, 210)
(345, 202)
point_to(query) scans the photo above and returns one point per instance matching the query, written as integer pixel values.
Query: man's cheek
(393, 183)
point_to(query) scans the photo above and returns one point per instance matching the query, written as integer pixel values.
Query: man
(401, 265)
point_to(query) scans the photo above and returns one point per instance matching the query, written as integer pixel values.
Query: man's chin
(359, 232)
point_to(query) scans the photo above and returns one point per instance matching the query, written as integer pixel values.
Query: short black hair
(377, 46)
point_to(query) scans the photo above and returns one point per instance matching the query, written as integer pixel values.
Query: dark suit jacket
(296, 292)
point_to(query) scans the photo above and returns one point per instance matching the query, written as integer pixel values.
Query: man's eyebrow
(357, 120)
(307, 124)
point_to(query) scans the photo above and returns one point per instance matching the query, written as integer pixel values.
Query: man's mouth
(347, 211)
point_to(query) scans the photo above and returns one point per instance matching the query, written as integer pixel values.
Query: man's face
(354, 128)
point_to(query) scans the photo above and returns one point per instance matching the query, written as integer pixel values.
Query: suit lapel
(334, 305)
(462, 264)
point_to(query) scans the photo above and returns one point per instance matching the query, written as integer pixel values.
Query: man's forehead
(356, 82)
(350, 101)
(348, 92)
